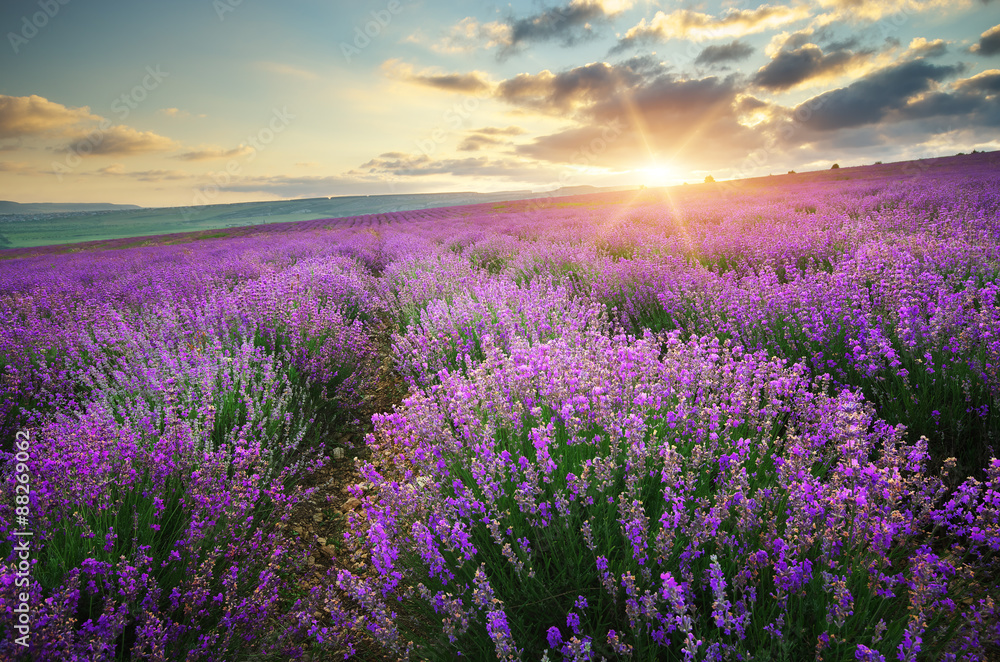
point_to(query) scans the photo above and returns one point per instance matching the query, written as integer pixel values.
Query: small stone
(297, 530)
(352, 504)
(329, 551)
(321, 541)
(318, 517)
(338, 453)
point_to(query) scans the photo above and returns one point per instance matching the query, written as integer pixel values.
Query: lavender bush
(638, 426)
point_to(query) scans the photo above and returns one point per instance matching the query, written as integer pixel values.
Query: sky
(218, 101)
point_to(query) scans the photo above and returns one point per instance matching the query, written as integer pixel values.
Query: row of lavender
(627, 434)
(173, 397)
(659, 431)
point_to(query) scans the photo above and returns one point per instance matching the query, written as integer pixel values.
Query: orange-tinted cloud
(177, 113)
(568, 24)
(874, 10)
(630, 114)
(489, 136)
(19, 168)
(120, 140)
(580, 87)
(37, 116)
(118, 170)
(473, 82)
(212, 153)
(696, 26)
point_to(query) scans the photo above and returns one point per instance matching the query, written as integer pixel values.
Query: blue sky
(205, 101)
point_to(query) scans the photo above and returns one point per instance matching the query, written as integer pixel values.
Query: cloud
(873, 98)
(400, 171)
(790, 68)
(467, 36)
(986, 84)
(392, 162)
(468, 83)
(19, 168)
(215, 153)
(500, 131)
(400, 164)
(488, 137)
(37, 116)
(120, 140)
(567, 91)
(874, 10)
(790, 41)
(118, 170)
(989, 42)
(287, 70)
(660, 117)
(288, 186)
(920, 47)
(732, 52)
(177, 113)
(696, 26)
(967, 103)
(566, 24)
(477, 142)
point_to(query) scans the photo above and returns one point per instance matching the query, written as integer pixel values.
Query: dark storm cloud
(989, 42)
(663, 117)
(731, 52)
(401, 164)
(566, 24)
(579, 87)
(470, 83)
(870, 99)
(985, 84)
(788, 68)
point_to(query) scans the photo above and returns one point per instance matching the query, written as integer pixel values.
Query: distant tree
(791, 172)
(835, 166)
(973, 152)
(878, 163)
(709, 179)
(960, 154)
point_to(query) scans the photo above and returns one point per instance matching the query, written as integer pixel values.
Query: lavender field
(715, 422)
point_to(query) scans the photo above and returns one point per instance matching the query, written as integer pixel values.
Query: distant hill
(121, 221)
(8, 207)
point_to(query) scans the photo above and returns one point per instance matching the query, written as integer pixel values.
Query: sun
(656, 173)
